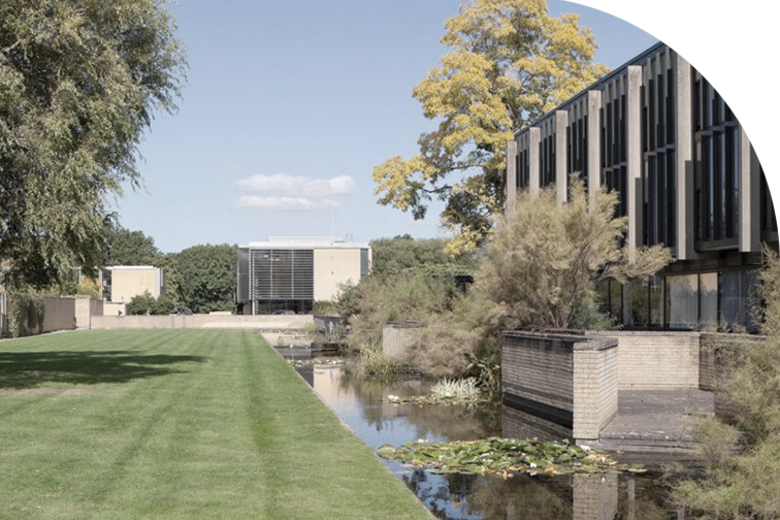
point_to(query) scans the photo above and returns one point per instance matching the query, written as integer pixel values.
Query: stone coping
(577, 342)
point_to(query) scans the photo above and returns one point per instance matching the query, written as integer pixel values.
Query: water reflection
(359, 403)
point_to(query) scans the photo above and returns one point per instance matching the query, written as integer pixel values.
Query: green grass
(176, 424)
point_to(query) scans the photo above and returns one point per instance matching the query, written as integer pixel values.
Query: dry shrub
(472, 327)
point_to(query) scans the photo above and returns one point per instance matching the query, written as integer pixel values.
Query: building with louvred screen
(288, 274)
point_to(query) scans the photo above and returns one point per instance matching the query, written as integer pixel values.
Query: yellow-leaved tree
(510, 63)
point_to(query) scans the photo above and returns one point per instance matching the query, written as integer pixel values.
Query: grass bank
(176, 424)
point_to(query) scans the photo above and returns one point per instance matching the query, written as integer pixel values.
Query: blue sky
(290, 105)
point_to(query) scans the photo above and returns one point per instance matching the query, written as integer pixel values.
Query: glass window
(638, 315)
(682, 306)
(708, 298)
(656, 296)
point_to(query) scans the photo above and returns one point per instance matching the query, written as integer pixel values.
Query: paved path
(650, 421)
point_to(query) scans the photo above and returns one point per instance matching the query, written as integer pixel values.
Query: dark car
(181, 309)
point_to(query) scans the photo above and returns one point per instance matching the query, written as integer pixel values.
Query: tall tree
(80, 81)
(510, 63)
(127, 247)
(207, 277)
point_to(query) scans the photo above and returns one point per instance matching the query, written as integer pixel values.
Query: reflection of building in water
(517, 424)
(595, 497)
(656, 132)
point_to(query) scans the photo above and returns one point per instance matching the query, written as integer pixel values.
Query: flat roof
(306, 243)
(129, 267)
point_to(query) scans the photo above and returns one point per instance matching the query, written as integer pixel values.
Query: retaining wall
(565, 379)
(655, 360)
(203, 321)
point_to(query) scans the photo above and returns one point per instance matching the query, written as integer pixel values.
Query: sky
(289, 105)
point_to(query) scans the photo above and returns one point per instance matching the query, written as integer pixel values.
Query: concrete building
(133, 280)
(657, 132)
(291, 273)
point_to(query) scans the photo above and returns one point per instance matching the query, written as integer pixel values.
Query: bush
(742, 480)
(401, 297)
(25, 313)
(146, 304)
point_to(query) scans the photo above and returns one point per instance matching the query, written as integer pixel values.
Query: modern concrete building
(133, 280)
(657, 132)
(291, 273)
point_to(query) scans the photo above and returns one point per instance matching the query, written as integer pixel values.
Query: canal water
(359, 403)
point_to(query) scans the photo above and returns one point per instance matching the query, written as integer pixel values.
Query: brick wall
(595, 387)
(517, 424)
(656, 360)
(566, 379)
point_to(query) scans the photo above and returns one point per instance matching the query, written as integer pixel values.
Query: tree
(207, 277)
(80, 81)
(127, 247)
(511, 62)
(393, 255)
(545, 259)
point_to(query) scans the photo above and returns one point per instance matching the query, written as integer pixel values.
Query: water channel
(359, 403)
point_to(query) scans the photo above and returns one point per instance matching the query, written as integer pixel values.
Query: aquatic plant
(460, 389)
(507, 457)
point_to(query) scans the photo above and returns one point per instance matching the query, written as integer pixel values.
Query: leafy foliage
(397, 254)
(207, 277)
(126, 247)
(25, 313)
(80, 81)
(147, 304)
(510, 63)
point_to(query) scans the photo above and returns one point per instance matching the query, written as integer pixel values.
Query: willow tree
(510, 63)
(80, 80)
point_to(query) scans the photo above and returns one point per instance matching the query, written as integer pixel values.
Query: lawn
(176, 424)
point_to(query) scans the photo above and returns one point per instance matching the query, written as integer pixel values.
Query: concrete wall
(128, 282)
(59, 314)
(566, 379)
(396, 339)
(202, 321)
(114, 309)
(333, 268)
(656, 360)
(85, 308)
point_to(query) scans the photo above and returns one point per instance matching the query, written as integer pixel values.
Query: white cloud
(284, 203)
(285, 185)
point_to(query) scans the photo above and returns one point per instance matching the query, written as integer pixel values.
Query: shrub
(545, 259)
(462, 389)
(25, 313)
(401, 297)
(742, 483)
(147, 304)
(372, 362)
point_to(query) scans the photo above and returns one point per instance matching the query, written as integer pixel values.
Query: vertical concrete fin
(510, 184)
(749, 202)
(594, 144)
(634, 160)
(534, 180)
(684, 159)
(561, 177)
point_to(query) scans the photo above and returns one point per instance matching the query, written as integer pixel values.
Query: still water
(358, 401)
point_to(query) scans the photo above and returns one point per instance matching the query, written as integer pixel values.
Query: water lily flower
(585, 448)
(533, 465)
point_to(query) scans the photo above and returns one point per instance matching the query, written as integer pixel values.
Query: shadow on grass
(30, 369)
